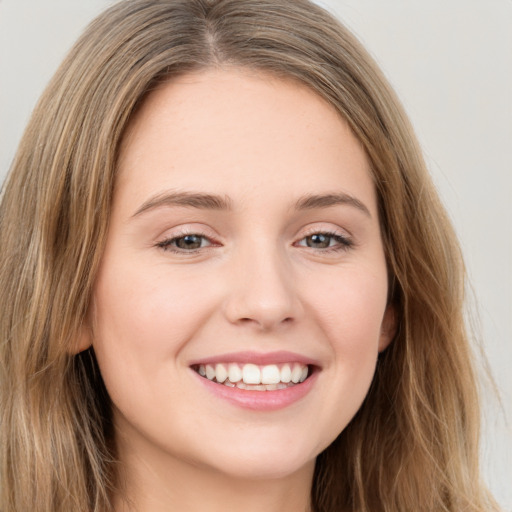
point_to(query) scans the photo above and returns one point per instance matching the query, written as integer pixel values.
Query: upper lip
(258, 358)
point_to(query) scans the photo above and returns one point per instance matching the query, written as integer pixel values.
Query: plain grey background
(450, 62)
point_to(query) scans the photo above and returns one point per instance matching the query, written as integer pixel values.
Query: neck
(158, 483)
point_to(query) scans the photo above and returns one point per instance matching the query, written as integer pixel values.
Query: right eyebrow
(187, 199)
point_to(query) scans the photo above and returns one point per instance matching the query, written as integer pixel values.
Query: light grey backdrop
(451, 63)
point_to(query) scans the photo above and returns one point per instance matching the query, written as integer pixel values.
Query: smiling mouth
(254, 377)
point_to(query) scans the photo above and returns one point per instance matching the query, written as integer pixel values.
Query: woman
(225, 267)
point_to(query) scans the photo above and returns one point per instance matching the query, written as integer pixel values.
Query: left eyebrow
(310, 202)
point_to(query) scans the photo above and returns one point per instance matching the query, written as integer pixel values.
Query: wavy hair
(413, 445)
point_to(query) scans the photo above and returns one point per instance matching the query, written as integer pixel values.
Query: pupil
(189, 242)
(319, 241)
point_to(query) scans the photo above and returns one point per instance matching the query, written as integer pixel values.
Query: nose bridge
(262, 290)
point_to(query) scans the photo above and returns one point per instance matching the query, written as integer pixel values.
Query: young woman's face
(244, 243)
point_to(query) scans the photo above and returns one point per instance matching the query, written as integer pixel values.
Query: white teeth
(286, 373)
(296, 373)
(234, 373)
(270, 374)
(251, 374)
(221, 374)
(210, 372)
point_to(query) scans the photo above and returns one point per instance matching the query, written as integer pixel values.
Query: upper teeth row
(253, 374)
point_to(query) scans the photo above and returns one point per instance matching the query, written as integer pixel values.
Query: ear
(388, 327)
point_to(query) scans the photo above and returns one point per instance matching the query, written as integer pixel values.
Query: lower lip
(260, 400)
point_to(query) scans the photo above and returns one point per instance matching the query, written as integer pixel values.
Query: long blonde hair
(413, 445)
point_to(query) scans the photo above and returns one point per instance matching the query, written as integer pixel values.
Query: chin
(270, 469)
(263, 461)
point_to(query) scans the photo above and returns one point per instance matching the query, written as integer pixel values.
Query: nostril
(264, 323)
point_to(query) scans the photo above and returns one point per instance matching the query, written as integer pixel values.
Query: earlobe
(84, 336)
(82, 340)
(388, 327)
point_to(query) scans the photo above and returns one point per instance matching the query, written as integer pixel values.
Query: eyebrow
(215, 202)
(187, 199)
(311, 202)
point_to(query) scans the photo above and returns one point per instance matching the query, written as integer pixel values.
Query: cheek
(351, 308)
(350, 314)
(141, 322)
(150, 306)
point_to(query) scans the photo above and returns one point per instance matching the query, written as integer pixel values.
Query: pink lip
(260, 400)
(257, 358)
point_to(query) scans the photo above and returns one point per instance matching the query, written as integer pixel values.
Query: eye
(185, 243)
(325, 240)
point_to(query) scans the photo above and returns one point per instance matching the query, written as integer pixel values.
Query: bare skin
(245, 232)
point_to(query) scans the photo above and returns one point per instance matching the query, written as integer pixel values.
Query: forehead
(233, 129)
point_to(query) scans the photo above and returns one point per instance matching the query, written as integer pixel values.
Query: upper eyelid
(215, 238)
(326, 232)
(184, 230)
(336, 231)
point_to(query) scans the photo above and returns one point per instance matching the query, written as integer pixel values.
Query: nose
(262, 292)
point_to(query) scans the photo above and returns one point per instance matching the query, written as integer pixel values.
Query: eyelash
(167, 244)
(344, 243)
